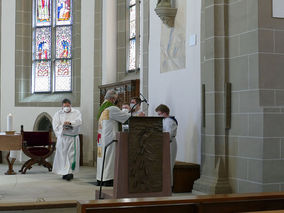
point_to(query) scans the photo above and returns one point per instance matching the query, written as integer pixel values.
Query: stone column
(242, 44)
(109, 40)
(97, 67)
(214, 170)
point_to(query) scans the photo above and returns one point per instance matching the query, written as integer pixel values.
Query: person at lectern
(135, 105)
(66, 124)
(170, 125)
(109, 116)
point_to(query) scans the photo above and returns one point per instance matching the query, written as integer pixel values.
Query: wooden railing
(193, 204)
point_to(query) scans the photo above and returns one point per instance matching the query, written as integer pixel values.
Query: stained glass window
(52, 46)
(62, 75)
(43, 12)
(63, 12)
(43, 43)
(133, 45)
(63, 42)
(42, 78)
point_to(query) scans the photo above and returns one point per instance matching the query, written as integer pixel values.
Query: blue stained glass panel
(63, 12)
(41, 76)
(43, 43)
(43, 12)
(132, 54)
(63, 42)
(63, 76)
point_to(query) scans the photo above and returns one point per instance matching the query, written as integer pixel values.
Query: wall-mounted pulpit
(142, 161)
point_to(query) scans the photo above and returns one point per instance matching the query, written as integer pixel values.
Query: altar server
(170, 125)
(66, 124)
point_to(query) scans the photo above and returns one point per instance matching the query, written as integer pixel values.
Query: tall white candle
(9, 122)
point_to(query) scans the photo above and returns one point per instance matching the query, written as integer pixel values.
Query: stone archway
(43, 122)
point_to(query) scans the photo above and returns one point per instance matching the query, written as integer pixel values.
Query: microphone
(144, 99)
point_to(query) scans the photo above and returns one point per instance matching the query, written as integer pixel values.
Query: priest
(66, 123)
(109, 116)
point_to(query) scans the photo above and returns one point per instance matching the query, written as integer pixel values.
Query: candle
(9, 122)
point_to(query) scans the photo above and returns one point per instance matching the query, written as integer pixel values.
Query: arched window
(52, 46)
(133, 35)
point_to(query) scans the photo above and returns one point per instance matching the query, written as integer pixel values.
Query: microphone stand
(102, 174)
(132, 108)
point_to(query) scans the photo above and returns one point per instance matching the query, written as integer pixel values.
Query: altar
(10, 142)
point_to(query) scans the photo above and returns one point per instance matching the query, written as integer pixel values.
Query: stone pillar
(97, 68)
(109, 40)
(214, 170)
(271, 97)
(242, 44)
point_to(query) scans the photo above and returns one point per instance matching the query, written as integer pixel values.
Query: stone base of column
(211, 185)
(218, 183)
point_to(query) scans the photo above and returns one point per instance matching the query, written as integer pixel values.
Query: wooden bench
(193, 204)
(26, 206)
(184, 175)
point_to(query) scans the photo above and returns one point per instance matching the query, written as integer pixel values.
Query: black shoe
(69, 177)
(98, 183)
(64, 177)
(108, 183)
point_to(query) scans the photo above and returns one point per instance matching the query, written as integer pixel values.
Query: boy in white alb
(66, 124)
(170, 125)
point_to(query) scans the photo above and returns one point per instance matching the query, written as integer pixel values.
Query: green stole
(105, 105)
(73, 165)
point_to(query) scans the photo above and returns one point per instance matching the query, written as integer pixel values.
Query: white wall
(28, 115)
(179, 89)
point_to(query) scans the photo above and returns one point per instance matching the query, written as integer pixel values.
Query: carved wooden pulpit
(7, 143)
(142, 161)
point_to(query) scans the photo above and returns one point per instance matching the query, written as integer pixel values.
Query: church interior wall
(27, 115)
(179, 88)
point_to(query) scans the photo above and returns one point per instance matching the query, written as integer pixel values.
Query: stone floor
(40, 185)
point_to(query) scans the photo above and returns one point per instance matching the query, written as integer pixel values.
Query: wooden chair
(38, 146)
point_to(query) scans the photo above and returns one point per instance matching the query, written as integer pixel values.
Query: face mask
(66, 109)
(132, 105)
(124, 110)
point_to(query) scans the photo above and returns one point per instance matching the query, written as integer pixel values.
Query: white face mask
(67, 109)
(131, 105)
(124, 110)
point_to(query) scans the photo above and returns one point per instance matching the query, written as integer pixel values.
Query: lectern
(142, 161)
